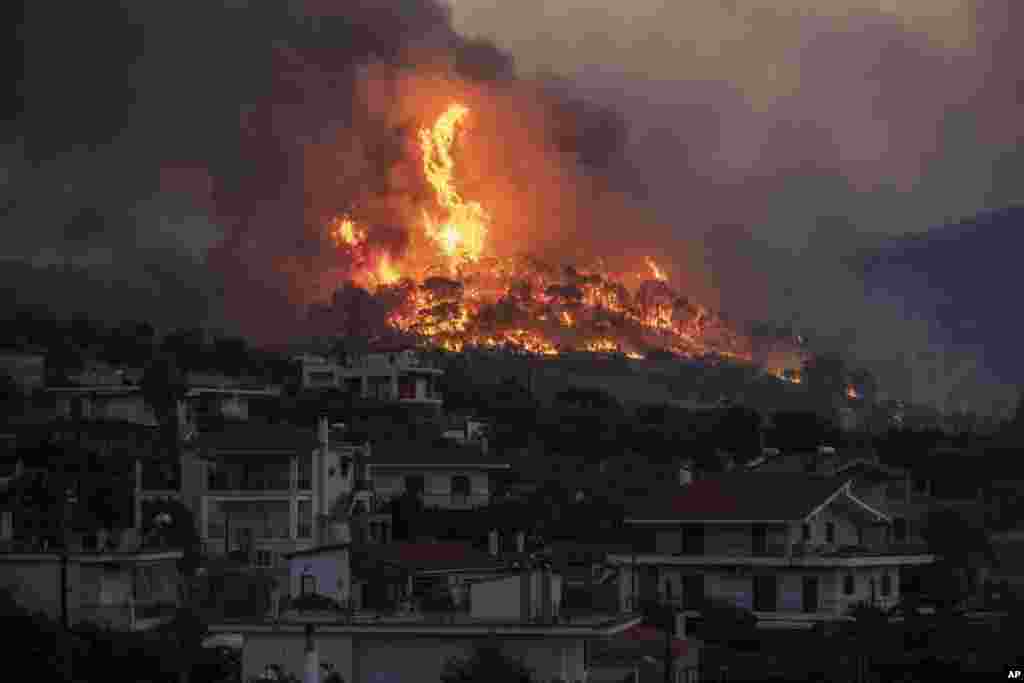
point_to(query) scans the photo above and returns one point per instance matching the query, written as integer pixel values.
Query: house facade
(784, 546)
(419, 651)
(401, 374)
(124, 590)
(515, 610)
(271, 489)
(443, 473)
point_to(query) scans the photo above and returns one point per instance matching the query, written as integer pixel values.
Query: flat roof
(415, 626)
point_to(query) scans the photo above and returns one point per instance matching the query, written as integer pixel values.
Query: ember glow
(516, 303)
(656, 272)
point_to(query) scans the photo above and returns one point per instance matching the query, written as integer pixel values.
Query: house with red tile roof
(785, 546)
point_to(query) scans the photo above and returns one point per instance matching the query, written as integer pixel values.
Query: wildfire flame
(344, 231)
(462, 233)
(657, 272)
(518, 303)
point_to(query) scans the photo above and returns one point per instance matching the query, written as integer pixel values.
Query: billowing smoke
(228, 132)
(778, 138)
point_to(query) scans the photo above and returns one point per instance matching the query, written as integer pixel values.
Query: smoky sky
(754, 145)
(778, 138)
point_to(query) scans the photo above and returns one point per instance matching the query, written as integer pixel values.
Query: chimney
(312, 661)
(492, 543)
(520, 541)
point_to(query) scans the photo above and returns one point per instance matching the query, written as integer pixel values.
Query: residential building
(385, 577)
(443, 473)
(892, 490)
(790, 547)
(399, 374)
(275, 488)
(131, 589)
(412, 649)
(26, 367)
(639, 651)
(398, 635)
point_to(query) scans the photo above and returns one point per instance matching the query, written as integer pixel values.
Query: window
(305, 478)
(849, 586)
(305, 522)
(760, 540)
(830, 532)
(414, 484)
(886, 585)
(308, 584)
(806, 537)
(693, 540)
(460, 486)
(264, 558)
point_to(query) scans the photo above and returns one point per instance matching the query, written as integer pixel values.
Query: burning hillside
(447, 287)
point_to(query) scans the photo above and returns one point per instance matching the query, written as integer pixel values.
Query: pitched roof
(259, 437)
(428, 556)
(425, 453)
(740, 497)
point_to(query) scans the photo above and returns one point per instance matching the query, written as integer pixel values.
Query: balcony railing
(220, 482)
(816, 550)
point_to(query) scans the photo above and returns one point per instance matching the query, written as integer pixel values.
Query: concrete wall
(497, 599)
(437, 483)
(502, 598)
(734, 589)
(382, 660)
(845, 529)
(36, 583)
(863, 577)
(331, 569)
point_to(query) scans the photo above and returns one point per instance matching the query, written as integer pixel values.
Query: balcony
(455, 501)
(261, 483)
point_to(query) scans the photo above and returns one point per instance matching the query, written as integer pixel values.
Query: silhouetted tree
(825, 377)
(738, 431)
(487, 665)
(62, 360)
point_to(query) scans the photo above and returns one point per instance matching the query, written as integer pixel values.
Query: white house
(416, 650)
(400, 374)
(274, 488)
(445, 474)
(789, 547)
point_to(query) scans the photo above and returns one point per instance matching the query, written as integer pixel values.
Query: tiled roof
(643, 634)
(441, 452)
(428, 556)
(259, 436)
(743, 496)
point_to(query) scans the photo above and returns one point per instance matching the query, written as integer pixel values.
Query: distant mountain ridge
(965, 276)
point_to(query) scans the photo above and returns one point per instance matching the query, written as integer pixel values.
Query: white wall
(331, 569)
(501, 598)
(497, 599)
(388, 660)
